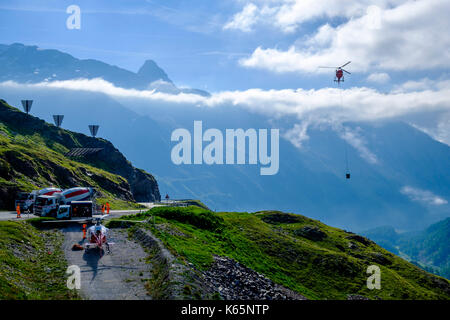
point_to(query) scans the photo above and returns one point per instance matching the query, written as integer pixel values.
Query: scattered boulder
(234, 281)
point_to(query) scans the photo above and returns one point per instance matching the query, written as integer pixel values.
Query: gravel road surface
(120, 274)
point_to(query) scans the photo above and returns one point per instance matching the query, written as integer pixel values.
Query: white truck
(27, 200)
(76, 209)
(48, 205)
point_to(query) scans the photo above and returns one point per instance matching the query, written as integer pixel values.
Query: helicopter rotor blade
(329, 67)
(345, 64)
(346, 71)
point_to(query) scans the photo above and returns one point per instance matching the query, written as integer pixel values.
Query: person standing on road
(18, 210)
(107, 207)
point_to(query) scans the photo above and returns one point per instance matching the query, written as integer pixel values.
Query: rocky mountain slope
(32, 155)
(269, 255)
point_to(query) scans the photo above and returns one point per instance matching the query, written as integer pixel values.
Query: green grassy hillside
(32, 156)
(32, 264)
(313, 259)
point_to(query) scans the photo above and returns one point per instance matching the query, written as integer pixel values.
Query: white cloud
(424, 196)
(298, 134)
(244, 20)
(353, 104)
(354, 138)
(306, 107)
(288, 15)
(380, 78)
(414, 85)
(439, 129)
(400, 35)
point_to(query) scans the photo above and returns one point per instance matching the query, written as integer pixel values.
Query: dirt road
(12, 215)
(117, 275)
(120, 274)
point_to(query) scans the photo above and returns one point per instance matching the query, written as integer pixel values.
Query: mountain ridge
(31, 64)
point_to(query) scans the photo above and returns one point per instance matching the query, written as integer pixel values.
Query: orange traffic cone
(84, 231)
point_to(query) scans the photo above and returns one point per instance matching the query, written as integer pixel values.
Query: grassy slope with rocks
(32, 263)
(305, 255)
(32, 157)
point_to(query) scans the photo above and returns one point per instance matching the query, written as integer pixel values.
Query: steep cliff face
(32, 154)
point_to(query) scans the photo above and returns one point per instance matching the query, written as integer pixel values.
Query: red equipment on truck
(48, 205)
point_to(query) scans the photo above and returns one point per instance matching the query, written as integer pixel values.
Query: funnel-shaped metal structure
(94, 129)
(58, 118)
(27, 105)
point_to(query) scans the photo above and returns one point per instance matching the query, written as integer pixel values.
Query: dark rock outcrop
(281, 217)
(360, 239)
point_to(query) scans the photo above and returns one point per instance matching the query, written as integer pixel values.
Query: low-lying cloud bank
(309, 107)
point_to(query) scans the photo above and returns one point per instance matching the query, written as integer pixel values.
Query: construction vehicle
(75, 210)
(28, 203)
(48, 205)
(22, 197)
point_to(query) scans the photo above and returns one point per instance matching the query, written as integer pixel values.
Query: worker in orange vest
(103, 209)
(107, 207)
(18, 210)
(84, 231)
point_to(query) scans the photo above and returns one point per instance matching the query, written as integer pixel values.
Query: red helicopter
(340, 78)
(97, 236)
(339, 72)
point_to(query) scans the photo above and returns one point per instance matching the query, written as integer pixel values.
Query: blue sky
(188, 40)
(264, 54)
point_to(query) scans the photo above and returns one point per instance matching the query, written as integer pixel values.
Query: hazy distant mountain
(31, 64)
(429, 248)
